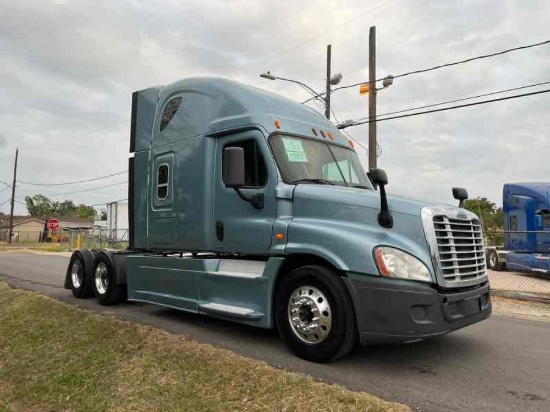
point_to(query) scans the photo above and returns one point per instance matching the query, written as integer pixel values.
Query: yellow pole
(79, 241)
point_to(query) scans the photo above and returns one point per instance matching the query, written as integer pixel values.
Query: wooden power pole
(327, 97)
(372, 99)
(13, 195)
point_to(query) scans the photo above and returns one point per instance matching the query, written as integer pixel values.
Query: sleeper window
(162, 182)
(169, 111)
(255, 172)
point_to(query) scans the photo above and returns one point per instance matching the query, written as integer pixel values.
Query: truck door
(238, 226)
(163, 224)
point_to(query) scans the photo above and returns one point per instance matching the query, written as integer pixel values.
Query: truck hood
(357, 197)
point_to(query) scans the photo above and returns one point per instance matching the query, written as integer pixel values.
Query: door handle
(219, 231)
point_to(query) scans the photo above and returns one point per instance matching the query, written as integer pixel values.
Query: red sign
(53, 224)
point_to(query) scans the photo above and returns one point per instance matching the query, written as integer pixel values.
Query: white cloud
(67, 71)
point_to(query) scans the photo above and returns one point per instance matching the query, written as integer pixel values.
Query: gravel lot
(524, 283)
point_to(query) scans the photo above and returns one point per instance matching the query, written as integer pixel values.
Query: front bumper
(393, 311)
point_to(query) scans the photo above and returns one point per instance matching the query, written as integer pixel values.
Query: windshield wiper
(361, 187)
(319, 181)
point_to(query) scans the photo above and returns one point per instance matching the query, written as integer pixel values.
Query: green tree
(490, 215)
(85, 212)
(39, 206)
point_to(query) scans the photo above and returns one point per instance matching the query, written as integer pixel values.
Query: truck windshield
(304, 160)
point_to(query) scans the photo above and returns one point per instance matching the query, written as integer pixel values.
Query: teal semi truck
(250, 207)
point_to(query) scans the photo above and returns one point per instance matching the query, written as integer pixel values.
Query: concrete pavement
(501, 364)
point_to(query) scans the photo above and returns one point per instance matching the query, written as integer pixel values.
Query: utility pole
(327, 97)
(372, 99)
(13, 195)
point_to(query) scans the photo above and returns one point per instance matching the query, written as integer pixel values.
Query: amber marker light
(279, 236)
(380, 262)
(364, 89)
(351, 143)
(330, 135)
(277, 124)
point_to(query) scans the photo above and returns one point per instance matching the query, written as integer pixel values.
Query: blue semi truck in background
(526, 215)
(253, 208)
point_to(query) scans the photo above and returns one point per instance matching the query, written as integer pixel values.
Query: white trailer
(117, 222)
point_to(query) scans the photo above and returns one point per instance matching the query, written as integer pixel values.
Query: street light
(330, 81)
(269, 76)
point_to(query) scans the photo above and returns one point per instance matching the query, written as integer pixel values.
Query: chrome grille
(455, 239)
(460, 248)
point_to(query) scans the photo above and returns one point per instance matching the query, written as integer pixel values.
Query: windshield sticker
(294, 150)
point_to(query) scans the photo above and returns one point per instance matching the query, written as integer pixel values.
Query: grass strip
(54, 357)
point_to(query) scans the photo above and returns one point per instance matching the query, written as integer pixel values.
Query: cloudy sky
(68, 68)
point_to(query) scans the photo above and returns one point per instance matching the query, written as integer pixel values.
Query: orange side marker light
(330, 135)
(277, 124)
(279, 236)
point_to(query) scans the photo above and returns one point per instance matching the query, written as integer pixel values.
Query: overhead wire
(457, 100)
(440, 66)
(74, 182)
(281, 53)
(84, 190)
(343, 126)
(343, 131)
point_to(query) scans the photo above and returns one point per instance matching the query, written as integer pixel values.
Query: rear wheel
(315, 314)
(106, 290)
(78, 278)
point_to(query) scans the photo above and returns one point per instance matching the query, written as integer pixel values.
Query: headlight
(395, 263)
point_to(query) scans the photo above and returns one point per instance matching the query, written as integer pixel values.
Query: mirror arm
(257, 200)
(384, 217)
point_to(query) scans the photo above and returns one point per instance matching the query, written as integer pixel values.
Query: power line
(323, 33)
(7, 184)
(6, 188)
(342, 126)
(4, 202)
(86, 190)
(343, 131)
(440, 66)
(72, 183)
(458, 100)
(112, 201)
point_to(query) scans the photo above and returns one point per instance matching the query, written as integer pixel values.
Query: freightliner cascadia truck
(250, 207)
(526, 218)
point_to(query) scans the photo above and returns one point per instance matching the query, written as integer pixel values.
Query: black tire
(106, 291)
(341, 335)
(492, 261)
(81, 266)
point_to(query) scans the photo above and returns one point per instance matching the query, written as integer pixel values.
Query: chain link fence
(71, 239)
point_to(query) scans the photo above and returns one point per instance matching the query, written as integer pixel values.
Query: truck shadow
(419, 357)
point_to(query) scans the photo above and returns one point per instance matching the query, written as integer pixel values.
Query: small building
(25, 228)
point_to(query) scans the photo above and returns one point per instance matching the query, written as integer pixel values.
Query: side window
(255, 171)
(169, 111)
(162, 181)
(513, 223)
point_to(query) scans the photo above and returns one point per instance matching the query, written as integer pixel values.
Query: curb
(529, 297)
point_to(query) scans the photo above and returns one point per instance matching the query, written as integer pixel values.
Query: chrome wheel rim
(101, 278)
(76, 273)
(493, 260)
(309, 314)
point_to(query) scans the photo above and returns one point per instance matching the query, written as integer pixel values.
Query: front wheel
(315, 314)
(492, 261)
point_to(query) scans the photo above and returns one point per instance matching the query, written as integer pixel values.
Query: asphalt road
(501, 364)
